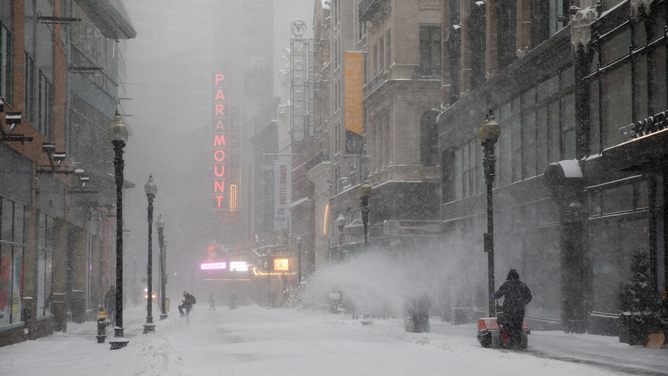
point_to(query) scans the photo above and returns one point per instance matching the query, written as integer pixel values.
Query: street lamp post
(365, 192)
(488, 135)
(151, 189)
(340, 223)
(160, 225)
(119, 136)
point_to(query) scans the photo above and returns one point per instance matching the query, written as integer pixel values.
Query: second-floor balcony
(376, 82)
(322, 156)
(367, 8)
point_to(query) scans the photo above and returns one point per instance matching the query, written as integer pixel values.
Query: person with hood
(188, 301)
(517, 296)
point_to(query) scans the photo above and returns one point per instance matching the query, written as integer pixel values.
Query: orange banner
(353, 92)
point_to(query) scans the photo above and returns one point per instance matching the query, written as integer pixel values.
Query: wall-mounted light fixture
(12, 119)
(55, 160)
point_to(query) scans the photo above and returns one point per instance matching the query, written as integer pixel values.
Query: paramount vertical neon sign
(220, 128)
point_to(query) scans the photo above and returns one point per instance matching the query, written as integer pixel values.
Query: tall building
(400, 42)
(579, 91)
(61, 62)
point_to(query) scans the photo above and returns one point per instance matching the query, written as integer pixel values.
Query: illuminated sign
(239, 266)
(281, 265)
(220, 150)
(214, 265)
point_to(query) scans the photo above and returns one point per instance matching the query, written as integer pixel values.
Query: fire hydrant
(102, 325)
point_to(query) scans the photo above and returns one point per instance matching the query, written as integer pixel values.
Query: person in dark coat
(188, 301)
(517, 296)
(110, 304)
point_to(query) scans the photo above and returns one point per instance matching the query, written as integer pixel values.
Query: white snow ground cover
(253, 340)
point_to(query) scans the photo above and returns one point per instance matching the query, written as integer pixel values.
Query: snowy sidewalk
(602, 351)
(253, 340)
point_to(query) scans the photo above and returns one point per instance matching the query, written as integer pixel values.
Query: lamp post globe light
(340, 224)
(119, 136)
(365, 192)
(160, 225)
(151, 189)
(488, 135)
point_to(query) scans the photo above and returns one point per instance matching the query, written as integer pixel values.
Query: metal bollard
(102, 325)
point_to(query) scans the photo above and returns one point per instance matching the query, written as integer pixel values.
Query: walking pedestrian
(212, 306)
(188, 301)
(110, 303)
(517, 296)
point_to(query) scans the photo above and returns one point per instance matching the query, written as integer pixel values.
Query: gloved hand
(491, 295)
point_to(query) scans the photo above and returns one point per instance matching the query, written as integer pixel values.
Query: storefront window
(612, 249)
(11, 261)
(542, 273)
(45, 265)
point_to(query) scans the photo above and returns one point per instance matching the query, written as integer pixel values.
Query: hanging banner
(281, 195)
(353, 78)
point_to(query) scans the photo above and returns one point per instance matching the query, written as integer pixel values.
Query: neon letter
(219, 110)
(219, 198)
(218, 140)
(219, 95)
(219, 185)
(219, 78)
(222, 170)
(219, 155)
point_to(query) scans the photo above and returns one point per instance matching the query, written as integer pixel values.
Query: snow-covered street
(253, 340)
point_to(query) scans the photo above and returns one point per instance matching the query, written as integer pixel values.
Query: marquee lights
(214, 266)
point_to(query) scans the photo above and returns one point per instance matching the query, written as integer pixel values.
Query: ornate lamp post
(488, 135)
(160, 225)
(365, 192)
(340, 223)
(119, 136)
(151, 189)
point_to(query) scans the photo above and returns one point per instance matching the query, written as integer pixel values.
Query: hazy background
(169, 68)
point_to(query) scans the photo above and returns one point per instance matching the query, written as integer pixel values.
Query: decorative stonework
(581, 28)
(429, 4)
(639, 7)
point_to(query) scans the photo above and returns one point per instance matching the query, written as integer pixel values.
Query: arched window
(429, 138)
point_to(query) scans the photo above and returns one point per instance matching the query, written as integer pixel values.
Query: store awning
(644, 153)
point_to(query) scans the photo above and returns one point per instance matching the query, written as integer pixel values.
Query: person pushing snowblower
(508, 330)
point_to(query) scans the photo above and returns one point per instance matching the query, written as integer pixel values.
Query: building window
(361, 27)
(429, 138)
(381, 54)
(5, 63)
(45, 107)
(430, 50)
(468, 170)
(46, 247)
(30, 89)
(388, 49)
(506, 23)
(12, 244)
